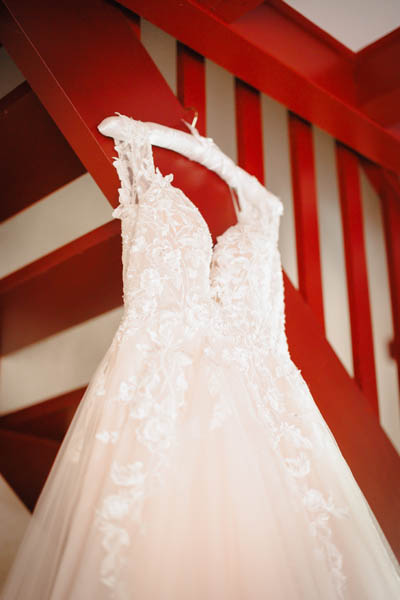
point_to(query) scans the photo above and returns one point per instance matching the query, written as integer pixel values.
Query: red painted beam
(228, 10)
(377, 76)
(25, 462)
(272, 53)
(248, 129)
(49, 419)
(374, 461)
(35, 158)
(306, 214)
(132, 19)
(192, 85)
(356, 270)
(59, 289)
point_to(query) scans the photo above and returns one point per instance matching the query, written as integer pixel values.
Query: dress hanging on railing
(198, 465)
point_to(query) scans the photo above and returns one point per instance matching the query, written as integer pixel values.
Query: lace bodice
(169, 262)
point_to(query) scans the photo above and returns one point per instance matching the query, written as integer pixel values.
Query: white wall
(333, 266)
(59, 218)
(56, 364)
(355, 23)
(80, 207)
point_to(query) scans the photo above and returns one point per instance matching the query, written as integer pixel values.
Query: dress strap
(134, 164)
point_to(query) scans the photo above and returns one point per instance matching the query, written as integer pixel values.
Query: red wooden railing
(356, 268)
(268, 48)
(306, 214)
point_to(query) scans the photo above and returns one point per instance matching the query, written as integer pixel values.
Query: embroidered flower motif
(128, 475)
(157, 431)
(115, 507)
(107, 436)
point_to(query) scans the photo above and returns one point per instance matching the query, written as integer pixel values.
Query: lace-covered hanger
(193, 145)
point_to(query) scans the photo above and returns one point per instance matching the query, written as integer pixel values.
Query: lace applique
(107, 436)
(288, 431)
(127, 501)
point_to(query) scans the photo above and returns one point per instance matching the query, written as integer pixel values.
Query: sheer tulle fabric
(197, 464)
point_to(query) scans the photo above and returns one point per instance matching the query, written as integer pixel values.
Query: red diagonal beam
(357, 277)
(306, 213)
(228, 10)
(377, 75)
(300, 69)
(35, 158)
(25, 461)
(49, 419)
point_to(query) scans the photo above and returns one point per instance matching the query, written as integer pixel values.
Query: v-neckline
(167, 181)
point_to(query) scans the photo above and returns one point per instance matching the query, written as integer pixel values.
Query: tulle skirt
(197, 474)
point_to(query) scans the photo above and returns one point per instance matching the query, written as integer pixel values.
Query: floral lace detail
(182, 298)
(127, 501)
(291, 434)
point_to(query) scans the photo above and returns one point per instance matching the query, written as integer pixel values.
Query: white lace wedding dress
(198, 466)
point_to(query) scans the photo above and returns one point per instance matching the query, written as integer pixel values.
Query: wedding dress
(197, 465)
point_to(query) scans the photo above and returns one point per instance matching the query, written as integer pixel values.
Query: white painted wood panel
(333, 265)
(381, 313)
(57, 364)
(162, 49)
(66, 214)
(277, 173)
(220, 108)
